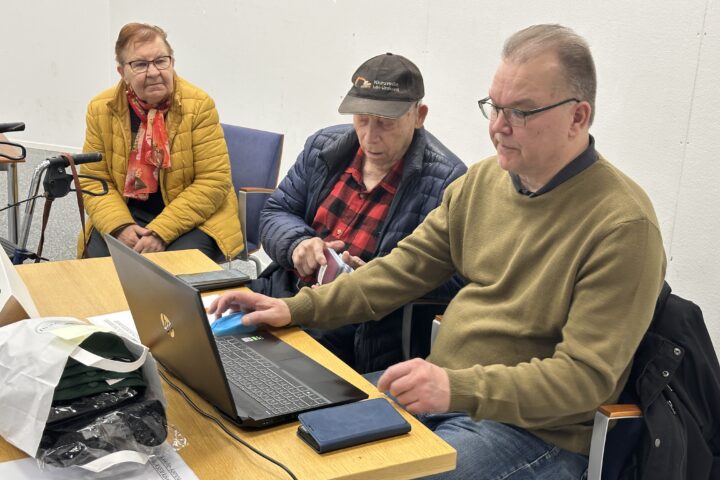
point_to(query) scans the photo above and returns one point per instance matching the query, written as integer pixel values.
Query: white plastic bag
(33, 354)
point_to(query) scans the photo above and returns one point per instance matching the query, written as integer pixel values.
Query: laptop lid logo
(167, 325)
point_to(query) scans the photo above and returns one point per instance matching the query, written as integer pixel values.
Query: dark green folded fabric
(106, 345)
(79, 380)
(94, 375)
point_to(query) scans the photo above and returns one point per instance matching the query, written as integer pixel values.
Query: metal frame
(604, 415)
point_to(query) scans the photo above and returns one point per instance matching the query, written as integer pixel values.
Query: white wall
(284, 65)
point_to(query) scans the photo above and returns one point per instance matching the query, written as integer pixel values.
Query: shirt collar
(390, 182)
(580, 163)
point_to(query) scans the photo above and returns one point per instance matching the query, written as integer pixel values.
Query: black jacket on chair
(676, 381)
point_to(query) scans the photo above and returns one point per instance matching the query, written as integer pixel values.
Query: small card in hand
(335, 266)
(332, 428)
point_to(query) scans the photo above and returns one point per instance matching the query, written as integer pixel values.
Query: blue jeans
(488, 450)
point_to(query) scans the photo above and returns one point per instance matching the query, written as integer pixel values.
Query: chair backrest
(255, 162)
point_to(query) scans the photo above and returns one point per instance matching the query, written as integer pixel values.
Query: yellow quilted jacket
(197, 188)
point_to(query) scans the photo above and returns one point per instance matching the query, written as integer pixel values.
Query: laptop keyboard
(262, 379)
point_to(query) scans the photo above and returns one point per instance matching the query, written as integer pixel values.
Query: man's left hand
(418, 385)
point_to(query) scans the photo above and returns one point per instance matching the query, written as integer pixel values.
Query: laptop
(253, 379)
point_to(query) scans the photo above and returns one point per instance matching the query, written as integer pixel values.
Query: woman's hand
(149, 243)
(131, 234)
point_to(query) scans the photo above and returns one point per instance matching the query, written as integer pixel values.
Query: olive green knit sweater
(561, 288)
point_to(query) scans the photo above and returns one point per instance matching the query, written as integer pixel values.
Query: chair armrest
(242, 197)
(256, 190)
(242, 206)
(619, 411)
(603, 416)
(437, 323)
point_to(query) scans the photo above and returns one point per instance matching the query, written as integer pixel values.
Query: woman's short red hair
(138, 33)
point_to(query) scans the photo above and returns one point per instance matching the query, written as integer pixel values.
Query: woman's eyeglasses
(141, 66)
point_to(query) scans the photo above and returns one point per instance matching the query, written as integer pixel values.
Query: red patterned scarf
(150, 151)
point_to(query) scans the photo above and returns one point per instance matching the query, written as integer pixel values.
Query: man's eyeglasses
(514, 116)
(141, 66)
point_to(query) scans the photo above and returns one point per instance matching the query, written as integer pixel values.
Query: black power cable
(21, 202)
(222, 425)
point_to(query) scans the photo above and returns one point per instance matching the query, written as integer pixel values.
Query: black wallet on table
(215, 279)
(351, 424)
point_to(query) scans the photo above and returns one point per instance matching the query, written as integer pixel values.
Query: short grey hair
(572, 51)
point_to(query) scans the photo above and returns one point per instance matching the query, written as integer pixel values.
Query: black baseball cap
(386, 86)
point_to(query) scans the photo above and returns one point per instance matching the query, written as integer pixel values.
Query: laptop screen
(171, 321)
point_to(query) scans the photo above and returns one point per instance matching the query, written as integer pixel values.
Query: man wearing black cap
(359, 189)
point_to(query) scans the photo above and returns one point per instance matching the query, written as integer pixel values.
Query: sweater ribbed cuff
(301, 309)
(464, 387)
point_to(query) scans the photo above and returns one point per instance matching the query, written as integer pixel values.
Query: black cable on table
(222, 425)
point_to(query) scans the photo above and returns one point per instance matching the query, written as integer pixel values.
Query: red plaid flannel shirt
(354, 215)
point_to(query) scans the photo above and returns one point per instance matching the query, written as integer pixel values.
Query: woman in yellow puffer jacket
(164, 158)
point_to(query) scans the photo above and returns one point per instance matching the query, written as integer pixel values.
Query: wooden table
(83, 288)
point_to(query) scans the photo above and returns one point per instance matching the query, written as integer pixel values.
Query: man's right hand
(131, 234)
(418, 385)
(308, 255)
(262, 309)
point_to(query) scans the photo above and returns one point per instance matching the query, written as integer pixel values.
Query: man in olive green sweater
(564, 261)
